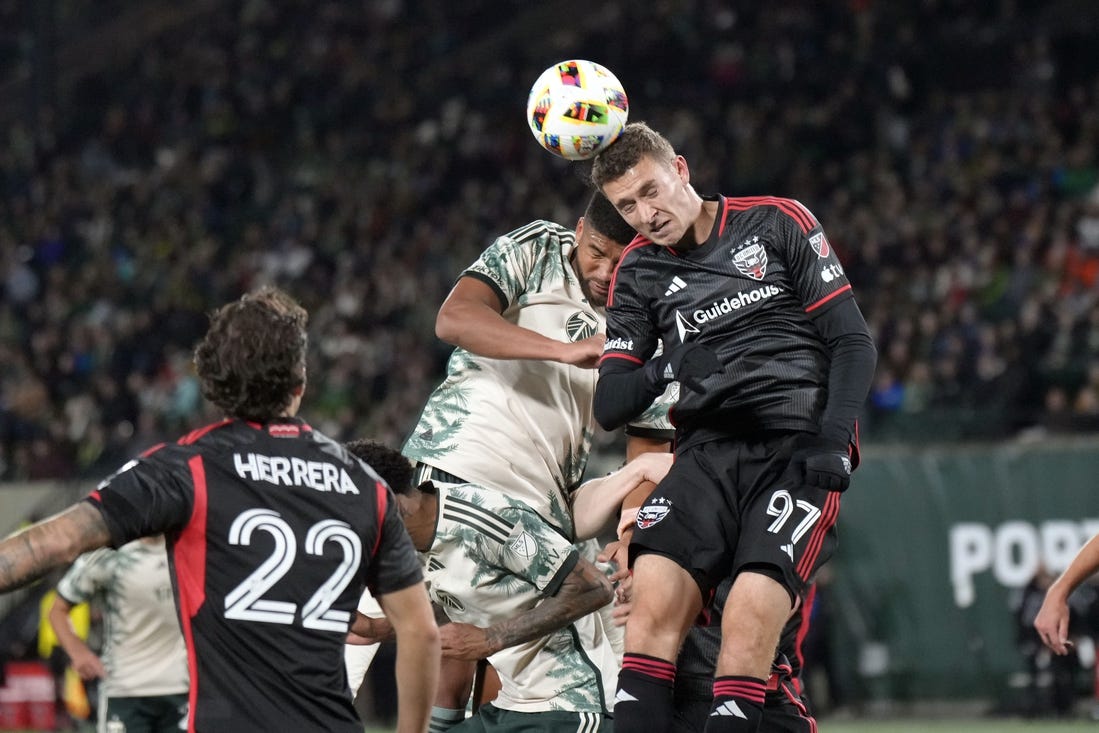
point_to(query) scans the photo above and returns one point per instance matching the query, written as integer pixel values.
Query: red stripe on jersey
(638, 241)
(827, 298)
(152, 450)
(805, 612)
(816, 539)
(189, 558)
(724, 216)
(853, 451)
(627, 357)
(794, 209)
(194, 435)
(802, 710)
(95, 495)
(382, 498)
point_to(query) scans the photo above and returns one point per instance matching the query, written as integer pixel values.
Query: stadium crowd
(359, 155)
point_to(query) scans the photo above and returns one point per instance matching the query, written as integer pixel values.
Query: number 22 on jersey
(246, 601)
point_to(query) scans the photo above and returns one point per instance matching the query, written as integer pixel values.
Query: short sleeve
(815, 268)
(537, 553)
(507, 263)
(394, 564)
(631, 335)
(149, 495)
(88, 576)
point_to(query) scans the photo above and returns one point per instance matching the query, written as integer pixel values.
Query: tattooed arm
(584, 590)
(32, 552)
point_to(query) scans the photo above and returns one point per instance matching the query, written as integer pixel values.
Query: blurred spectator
(359, 154)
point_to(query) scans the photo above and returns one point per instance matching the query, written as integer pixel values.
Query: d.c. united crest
(751, 261)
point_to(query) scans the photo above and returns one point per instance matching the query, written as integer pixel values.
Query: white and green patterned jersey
(656, 422)
(143, 649)
(523, 427)
(493, 558)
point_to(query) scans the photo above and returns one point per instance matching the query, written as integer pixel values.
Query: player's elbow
(607, 408)
(448, 326)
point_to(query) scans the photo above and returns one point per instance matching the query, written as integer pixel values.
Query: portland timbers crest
(581, 325)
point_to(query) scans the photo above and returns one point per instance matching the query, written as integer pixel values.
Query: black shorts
(731, 505)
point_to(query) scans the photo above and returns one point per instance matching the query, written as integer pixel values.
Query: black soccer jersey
(273, 531)
(749, 293)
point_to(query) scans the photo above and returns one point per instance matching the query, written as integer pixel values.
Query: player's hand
(584, 353)
(88, 666)
(465, 641)
(623, 601)
(367, 630)
(689, 364)
(616, 552)
(620, 614)
(828, 466)
(626, 522)
(1051, 623)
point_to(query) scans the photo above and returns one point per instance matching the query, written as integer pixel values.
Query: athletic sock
(644, 699)
(738, 705)
(443, 719)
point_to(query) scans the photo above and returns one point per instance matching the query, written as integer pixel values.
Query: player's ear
(579, 229)
(681, 169)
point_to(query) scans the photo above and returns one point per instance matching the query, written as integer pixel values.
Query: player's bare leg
(755, 612)
(666, 601)
(452, 696)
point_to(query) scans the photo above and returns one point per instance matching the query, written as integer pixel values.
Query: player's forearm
(623, 394)
(853, 359)
(373, 629)
(1082, 567)
(597, 502)
(481, 330)
(32, 552)
(63, 629)
(584, 591)
(417, 674)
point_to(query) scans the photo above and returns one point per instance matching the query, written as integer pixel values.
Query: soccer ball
(576, 109)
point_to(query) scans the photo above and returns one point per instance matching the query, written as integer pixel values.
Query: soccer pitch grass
(991, 725)
(913, 725)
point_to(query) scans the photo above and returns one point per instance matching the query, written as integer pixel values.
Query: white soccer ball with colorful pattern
(576, 109)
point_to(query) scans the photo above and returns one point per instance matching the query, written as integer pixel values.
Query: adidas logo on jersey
(675, 286)
(729, 707)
